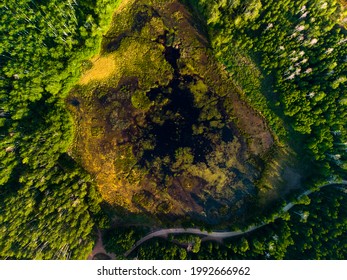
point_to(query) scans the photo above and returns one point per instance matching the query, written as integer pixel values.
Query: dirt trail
(215, 235)
(99, 249)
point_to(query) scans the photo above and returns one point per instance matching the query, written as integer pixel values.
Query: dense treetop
(301, 50)
(47, 202)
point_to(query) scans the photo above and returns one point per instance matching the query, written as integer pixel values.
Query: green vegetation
(312, 231)
(164, 130)
(315, 231)
(299, 52)
(48, 204)
(159, 249)
(120, 240)
(289, 59)
(163, 111)
(170, 248)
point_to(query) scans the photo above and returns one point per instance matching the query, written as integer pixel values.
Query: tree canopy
(47, 202)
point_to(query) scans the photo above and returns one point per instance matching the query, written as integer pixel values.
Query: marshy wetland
(162, 126)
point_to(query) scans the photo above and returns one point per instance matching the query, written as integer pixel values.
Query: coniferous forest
(48, 203)
(119, 118)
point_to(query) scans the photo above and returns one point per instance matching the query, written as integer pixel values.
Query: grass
(102, 68)
(110, 115)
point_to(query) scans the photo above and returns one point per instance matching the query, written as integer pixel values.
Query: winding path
(218, 235)
(99, 249)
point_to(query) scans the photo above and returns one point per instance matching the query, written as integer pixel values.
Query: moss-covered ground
(161, 124)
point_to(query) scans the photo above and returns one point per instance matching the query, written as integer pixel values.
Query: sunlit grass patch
(103, 67)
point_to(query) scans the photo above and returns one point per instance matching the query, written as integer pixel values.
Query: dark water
(172, 55)
(180, 115)
(74, 102)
